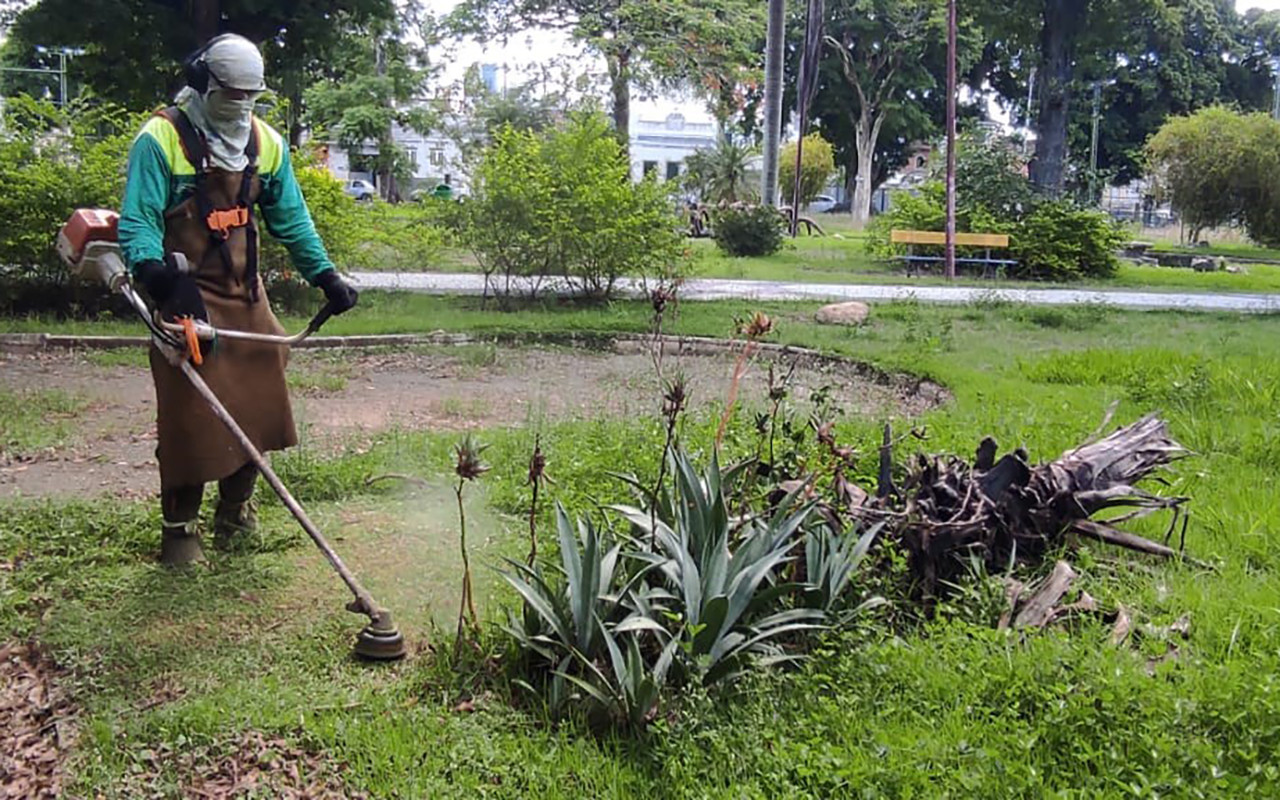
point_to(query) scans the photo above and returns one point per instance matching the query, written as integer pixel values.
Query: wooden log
(1108, 535)
(884, 486)
(1122, 628)
(1039, 610)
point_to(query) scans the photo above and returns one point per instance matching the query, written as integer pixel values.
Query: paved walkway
(718, 289)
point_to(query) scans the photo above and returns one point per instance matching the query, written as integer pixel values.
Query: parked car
(361, 189)
(821, 204)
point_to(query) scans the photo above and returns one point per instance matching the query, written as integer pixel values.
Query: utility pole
(950, 254)
(61, 71)
(1275, 80)
(1093, 142)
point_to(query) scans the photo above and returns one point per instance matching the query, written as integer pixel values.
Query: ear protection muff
(196, 69)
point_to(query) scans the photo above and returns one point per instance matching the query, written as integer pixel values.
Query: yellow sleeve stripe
(166, 136)
(270, 146)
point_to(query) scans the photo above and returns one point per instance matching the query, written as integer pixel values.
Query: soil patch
(37, 724)
(338, 394)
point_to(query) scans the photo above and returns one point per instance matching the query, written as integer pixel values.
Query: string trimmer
(87, 243)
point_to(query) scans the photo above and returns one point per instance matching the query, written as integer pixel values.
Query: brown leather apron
(194, 446)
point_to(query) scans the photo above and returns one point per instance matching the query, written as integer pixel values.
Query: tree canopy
(644, 43)
(133, 48)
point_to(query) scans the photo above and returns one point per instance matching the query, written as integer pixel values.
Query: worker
(188, 231)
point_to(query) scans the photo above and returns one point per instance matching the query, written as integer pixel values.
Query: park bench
(988, 241)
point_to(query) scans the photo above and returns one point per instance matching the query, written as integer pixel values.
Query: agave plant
(568, 613)
(723, 585)
(630, 690)
(830, 559)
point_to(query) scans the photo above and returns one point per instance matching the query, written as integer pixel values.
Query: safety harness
(221, 221)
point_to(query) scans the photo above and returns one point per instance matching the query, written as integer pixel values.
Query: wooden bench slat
(938, 237)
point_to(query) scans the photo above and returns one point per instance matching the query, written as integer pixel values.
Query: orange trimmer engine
(88, 244)
(86, 225)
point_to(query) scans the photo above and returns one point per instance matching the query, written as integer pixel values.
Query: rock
(1204, 264)
(1174, 259)
(1136, 249)
(850, 313)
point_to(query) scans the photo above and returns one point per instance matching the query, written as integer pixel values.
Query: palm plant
(722, 174)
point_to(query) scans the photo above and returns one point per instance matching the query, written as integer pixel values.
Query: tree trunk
(773, 100)
(866, 133)
(205, 15)
(620, 91)
(1057, 43)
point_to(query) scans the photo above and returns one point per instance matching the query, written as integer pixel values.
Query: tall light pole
(61, 71)
(950, 254)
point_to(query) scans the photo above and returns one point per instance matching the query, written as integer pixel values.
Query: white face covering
(227, 112)
(226, 121)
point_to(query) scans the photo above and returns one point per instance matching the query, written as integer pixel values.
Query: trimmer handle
(321, 317)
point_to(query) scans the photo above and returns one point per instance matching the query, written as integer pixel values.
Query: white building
(435, 158)
(662, 144)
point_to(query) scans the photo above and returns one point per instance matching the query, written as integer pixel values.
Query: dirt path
(338, 394)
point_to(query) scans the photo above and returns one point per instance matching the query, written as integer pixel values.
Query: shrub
(53, 161)
(990, 176)
(817, 164)
(562, 204)
(723, 173)
(1054, 240)
(1212, 164)
(375, 236)
(748, 230)
(693, 595)
(1050, 239)
(1062, 241)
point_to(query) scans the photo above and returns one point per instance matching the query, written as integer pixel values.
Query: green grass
(35, 419)
(1229, 249)
(845, 260)
(841, 257)
(955, 709)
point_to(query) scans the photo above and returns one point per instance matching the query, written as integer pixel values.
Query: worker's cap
(234, 62)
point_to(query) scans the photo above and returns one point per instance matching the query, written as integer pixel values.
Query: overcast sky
(543, 46)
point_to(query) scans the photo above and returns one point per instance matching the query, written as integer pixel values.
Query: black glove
(340, 294)
(175, 293)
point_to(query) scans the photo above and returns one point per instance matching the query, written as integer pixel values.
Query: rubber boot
(233, 523)
(235, 518)
(180, 544)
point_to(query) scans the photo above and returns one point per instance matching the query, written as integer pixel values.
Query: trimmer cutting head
(380, 640)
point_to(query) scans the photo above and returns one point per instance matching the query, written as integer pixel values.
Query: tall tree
(373, 90)
(1150, 58)
(133, 48)
(1195, 54)
(644, 43)
(882, 51)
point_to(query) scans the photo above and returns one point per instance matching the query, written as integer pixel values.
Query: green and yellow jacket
(160, 178)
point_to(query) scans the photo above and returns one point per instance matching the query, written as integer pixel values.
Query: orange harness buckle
(193, 341)
(223, 221)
